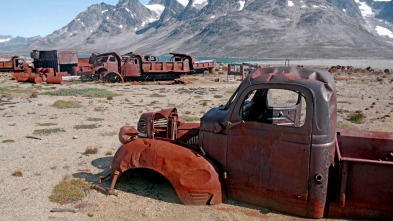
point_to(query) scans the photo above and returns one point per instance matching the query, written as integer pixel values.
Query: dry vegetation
(69, 191)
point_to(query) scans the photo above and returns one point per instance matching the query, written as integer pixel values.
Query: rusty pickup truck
(274, 144)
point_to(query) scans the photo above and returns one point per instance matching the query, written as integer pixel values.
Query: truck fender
(194, 177)
(113, 77)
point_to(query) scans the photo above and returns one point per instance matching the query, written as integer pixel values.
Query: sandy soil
(45, 162)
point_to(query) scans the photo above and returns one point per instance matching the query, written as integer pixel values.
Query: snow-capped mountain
(376, 15)
(9, 43)
(232, 28)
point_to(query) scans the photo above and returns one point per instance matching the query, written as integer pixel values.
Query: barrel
(22, 77)
(37, 79)
(54, 80)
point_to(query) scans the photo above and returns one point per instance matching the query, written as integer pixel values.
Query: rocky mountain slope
(9, 43)
(232, 28)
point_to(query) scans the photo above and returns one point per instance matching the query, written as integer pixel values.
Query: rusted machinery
(42, 75)
(242, 69)
(274, 144)
(113, 67)
(59, 60)
(15, 64)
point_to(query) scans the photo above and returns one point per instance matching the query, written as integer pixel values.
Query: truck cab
(274, 144)
(273, 138)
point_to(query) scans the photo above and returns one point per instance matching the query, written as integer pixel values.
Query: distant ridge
(231, 28)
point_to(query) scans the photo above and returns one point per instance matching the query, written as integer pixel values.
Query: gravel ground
(44, 162)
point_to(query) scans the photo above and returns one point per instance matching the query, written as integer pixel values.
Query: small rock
(75, 137)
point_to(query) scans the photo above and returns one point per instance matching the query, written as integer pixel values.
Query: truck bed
(364, 187)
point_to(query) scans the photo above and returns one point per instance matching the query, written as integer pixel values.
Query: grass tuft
(95, 119)
(85, 126)
(86, 92)
(158, 95)
(190, 118)
(48, 131)
(46, 124)
(91, 150)
(61, 104)
(356, 118)
(69, 190)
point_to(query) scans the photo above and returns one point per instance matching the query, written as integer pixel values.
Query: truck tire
(113, 78)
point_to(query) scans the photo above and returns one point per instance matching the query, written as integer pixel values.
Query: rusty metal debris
(242, 69)
(58, 60)
(283, 155)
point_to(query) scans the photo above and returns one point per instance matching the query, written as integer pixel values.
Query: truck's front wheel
(113, 78)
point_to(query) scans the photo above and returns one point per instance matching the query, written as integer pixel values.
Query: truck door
(131, 68)
(268, 155)
(113, 65)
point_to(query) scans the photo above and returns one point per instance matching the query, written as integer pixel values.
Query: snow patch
(290, 3)
(152, 19)
(127, 9)
(157, 8)
(382, 0)
(183, 2)
(365, 9)
(199, 2)
(384, 31)
(315, 6)
(107, 17)
(241, 5)
(344, 10)
(143, 24)
(5, 40)
(78, 19)
(120, 26)
(213, 16)
(102, 12)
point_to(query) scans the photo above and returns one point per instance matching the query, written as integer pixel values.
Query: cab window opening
(280, 107)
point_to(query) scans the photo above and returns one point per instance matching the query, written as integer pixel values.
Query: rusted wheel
(113, 78)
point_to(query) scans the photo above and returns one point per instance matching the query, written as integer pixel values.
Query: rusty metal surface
(59, 60)
(194, 178)
(366, 182)
(54, 79)
(114, 67)
(14, 64)
(284, 168)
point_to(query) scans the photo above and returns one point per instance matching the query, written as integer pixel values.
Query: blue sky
(29, 18)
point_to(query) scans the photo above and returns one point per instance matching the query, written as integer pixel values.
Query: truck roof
(319, 82)
(299, 75)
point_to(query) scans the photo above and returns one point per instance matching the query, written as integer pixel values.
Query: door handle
(226, 125)
(230, 124)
